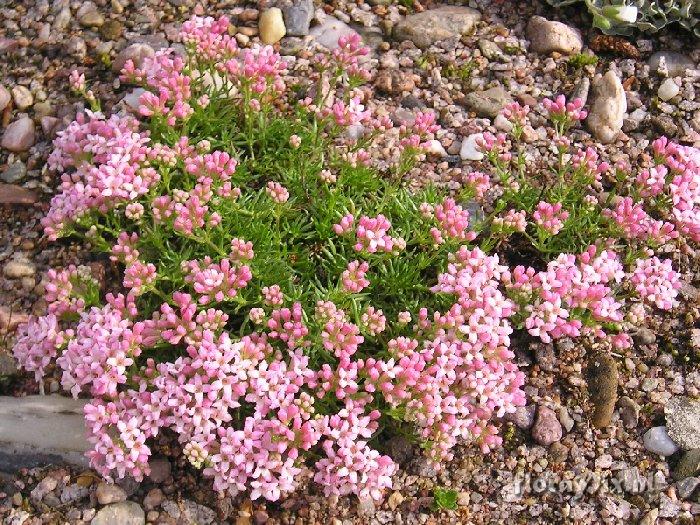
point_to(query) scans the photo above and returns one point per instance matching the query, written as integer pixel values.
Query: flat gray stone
(124, 513)
(683, 421)
(328, 33)
(487, 103)
(38, 430)
(435, 25)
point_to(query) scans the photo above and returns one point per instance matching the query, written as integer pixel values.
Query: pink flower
(353, 278)
(550, 217)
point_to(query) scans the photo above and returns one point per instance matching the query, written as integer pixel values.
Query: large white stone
(608, 108)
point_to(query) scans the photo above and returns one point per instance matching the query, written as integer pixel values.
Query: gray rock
(632, 481)
(15, 172)
(668, 508)
(92, 18)
(650, 517)
(19, 136)
(297, 17)
(490, 49)
(629, 412)
(328, 33)
(547, 428)
(434, 25)
(124, 513)
(565, 419)
(608, 108)
(665, 125)
(688, 466)
(546, 36)
(686, 487)
(643, 336)
(399, 449)
(581, 90)
(656, 440)
(107, 493)
(523, 417)
(683, 421)
(5, 97)
(487, 103)
(137, 52)
(42, 488)
(62, 20)
(39, 430)
(153, 499)
(673, 64)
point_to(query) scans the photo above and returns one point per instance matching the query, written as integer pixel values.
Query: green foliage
(651, 15)
(444, 499)
(581, 60)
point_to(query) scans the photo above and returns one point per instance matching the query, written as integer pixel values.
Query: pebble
(153, 499)
(18, 268)
(629, 412)
(92, 19)
(670, 63)
(136, 52)
(19, 136)
(22, 97)
(523, 417)
(487, 103)
(15, 172)
(123, 513)
(328, 33)
(687, 486)
(668, 89)
(298, 16)
(394, 82)
(469, 150)
(5, 97)
(683, 421)
(656, 440)
(547, 428)
(434, 25)
(608, 107)
(547, 36)
(160, 470)
(271, 25)
(107, 493)
(689, 465)
(112, 30)
(650, 517)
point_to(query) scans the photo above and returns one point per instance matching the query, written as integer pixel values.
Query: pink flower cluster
(550, 217)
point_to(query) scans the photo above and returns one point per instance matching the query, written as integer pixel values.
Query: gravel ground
(555, 466)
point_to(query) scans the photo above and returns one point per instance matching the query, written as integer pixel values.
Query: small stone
(15, 172)
(668, 89)
(489, 49)
(107, 493)
(665, 125)
(547, 36)
(137, 52)
(686, 487)
(565, 419)
(650, 517)
(644, 336)
(656, 440)
(19, 136)
(469, 149)
(434, 25)
(629, 412)
(271, 25)
(46, 485)
(487, 103)
(558, 452)
(544, 356)
(394, 82)
(5, 97)
(160, 470)
(547, 429)
(523, 417)
(297, 17)
(399, 449)
(433, 147)
(631, 480)
(23, 97)
(112, 30)
(92, 19)
(601, 377)
(153, 499)
(62, 19)
(463, 498)
(328, 33)
(502, 123)
(683, 421)
(668, 508)
(395, 500)
(673, 64)
(48, 126)
(17, 195)
(123, 513)
(366, 507)
(18, 268)
(581, 90)
(688, 466)
(608, 108)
